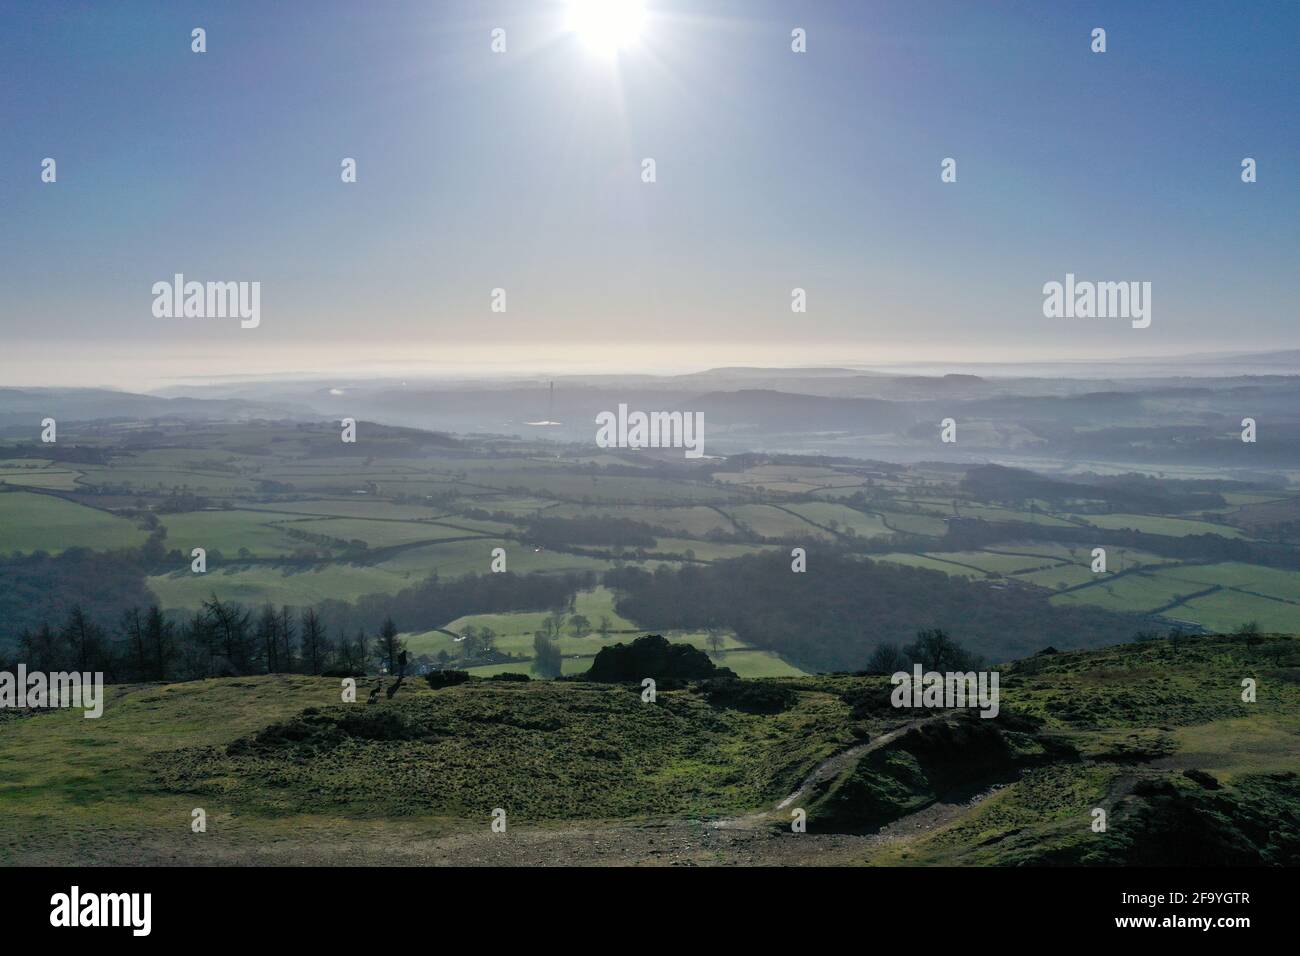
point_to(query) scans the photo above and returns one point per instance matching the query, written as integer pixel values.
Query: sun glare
(606, 26)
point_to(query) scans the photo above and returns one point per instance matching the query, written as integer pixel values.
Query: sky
(522, 170)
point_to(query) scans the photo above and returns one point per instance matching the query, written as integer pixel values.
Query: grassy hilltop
(1155, 733)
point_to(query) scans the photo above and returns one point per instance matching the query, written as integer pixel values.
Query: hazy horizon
(522, 171)
(117, 368)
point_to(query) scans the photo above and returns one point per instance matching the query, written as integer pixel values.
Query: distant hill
(23, 408)
(783, 411)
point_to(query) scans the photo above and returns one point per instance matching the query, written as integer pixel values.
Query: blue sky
(775, 170)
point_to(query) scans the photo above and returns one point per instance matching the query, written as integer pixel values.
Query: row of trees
(933, 649)
(578, 625)
(221, 639)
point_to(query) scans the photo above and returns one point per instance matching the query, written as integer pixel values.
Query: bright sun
(606, 26)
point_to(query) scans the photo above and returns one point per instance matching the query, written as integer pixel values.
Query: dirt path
(936, 815)
(826, 770)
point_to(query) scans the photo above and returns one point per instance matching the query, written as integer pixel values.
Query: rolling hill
(1156, 734)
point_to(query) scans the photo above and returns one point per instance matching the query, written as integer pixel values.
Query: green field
(518, 628)
(514, 635)
(355, 507)
(972, 509)
(1047, 565)
(1228, 610)
(998, 563)
(842, 518)
(769, 522)
(36, 474)
(161, 481)
(705, 550)
(1139, 593)
(260, 584)
(35, 522)
(384, 534)
(1271, 605)
(930, 563)
(455, 558)
(1060, 576)
(615, 489)
(693, 520)
(751, 662)
(260, 533)
(915, 524)
(1247, 577)
(796, 479)
(1159, 524)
